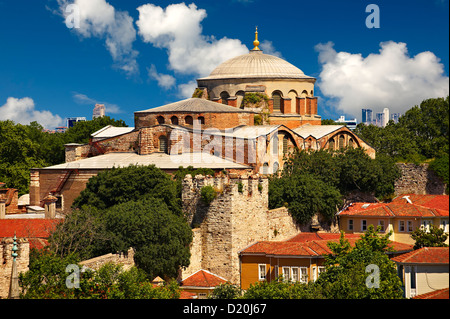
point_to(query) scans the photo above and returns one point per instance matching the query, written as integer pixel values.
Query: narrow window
(163, 144)
(275, 167)
(262, 272)
(331, 144)
(224, 97)
(286, 273)
(265, 168)
(276, 102)
(285, 144)
(188, 120)
(341, 141)
(303, 274)
(160, 119)
(381, 224)
(410, 226)
(201, 120)
(350, 224)
(294, 274)
(363, 225)
(401, 225)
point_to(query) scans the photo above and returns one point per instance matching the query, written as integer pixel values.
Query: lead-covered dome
(256, 64)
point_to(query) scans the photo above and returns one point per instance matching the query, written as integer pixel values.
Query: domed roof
(256, 64)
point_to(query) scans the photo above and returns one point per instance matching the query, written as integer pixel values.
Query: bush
(208, 194)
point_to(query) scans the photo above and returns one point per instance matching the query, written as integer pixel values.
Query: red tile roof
(303, 245)
(36, 230)
(425, 255)
(417, 206)
(438, 294)
(203, 278)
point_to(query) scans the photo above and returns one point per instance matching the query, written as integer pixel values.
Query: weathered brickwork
(418, 179)
(124, 259)
(237, 217)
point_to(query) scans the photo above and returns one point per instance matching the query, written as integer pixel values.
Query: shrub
(208, 194)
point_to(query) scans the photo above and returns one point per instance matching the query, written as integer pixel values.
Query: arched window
(341, 141)
(331, 144)
(160, 119)
(240, 97)
(285, 144)
(265, 168)
(224, 97)
(188, 120)
(350, 142)
(201, 120)
(163, 144)
(275, 167)
(174, 120)
(276, 101)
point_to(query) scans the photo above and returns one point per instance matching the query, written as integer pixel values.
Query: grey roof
(248, 131)
(111, 131)
(316, 131)
(256, 64)
(161, 160)
(194, 105)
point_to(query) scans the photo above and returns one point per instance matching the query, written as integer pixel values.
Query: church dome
(256, 64)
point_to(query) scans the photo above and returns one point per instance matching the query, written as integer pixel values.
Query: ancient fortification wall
(418, 179)
(6, 261)
(236, 218)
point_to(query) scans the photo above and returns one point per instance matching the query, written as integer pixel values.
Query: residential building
(424, 271)
(402, 216)
(201, 283)
(71, 121)
(351, 124)
(298, 259)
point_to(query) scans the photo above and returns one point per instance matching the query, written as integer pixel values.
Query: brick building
(246, 116)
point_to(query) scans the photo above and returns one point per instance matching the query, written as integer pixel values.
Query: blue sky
(134, 59)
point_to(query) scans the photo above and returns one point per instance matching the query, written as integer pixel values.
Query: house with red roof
(424, 272)
(299, 259)
(402, 216)
(201, 284)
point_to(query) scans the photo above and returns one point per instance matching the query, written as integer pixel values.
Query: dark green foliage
(254, 98)
(421, 133)
(208, 194)
(120, 185)
(345, 275)
(46, 279)
(226, 291)
(315, 182)
(435, 237)
(161, 239)
(81, 132)
(180, 174)
(279, 289)
(441, 166)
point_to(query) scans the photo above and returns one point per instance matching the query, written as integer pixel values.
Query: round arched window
(188, 120)
(160, 119)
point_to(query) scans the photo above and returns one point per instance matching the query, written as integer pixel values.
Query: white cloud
(97, 18)
(23, 111)
(110, 108)
(268, 48)
(390, 78)
(165, 81)
(178, 29)
(186, 90)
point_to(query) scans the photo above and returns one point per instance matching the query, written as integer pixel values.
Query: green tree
(440, 166)
(435, 237)
(346, 275)
(81, 131)
(226, 291)
(160, 238)
(120, 185)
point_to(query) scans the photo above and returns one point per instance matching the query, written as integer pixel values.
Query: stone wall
(236, 218)
(124, 259)
(418, 179)
(6, 261)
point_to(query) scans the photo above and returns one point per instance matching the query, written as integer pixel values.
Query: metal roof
(195, 105)
(161, 160)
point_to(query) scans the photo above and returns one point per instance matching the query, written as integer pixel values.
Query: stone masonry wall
(418, 179)
(238, 217)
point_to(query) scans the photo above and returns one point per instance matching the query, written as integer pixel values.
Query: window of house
(163, 144)
(381, 224)
(294, 274)
(410, 225)
(350, 224)
(286, 273)
(363, 225)
(321, 269)
(401, 225)
(303, 274)
(426, 225)
(262, 272)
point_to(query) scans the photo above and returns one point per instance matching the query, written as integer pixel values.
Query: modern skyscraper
(99, 111)
(385, 117)
(367, 116)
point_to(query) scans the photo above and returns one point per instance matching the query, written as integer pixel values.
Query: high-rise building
(351, 124)
(395, 117)
(99, 111)
(71, 121)
(367, 116)
(385, 117)
(379, 119)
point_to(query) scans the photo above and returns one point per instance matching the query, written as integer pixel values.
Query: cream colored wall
(285, 86)
(428, 278)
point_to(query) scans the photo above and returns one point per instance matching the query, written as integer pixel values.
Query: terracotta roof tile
(28, 228)
(438, 294)
(433, 255)
(203, 278)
